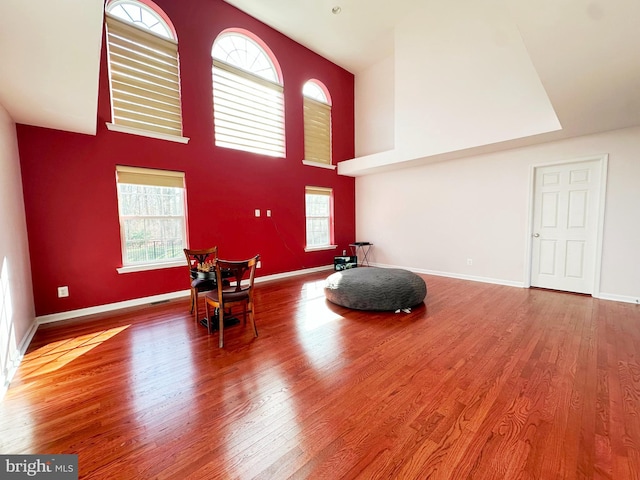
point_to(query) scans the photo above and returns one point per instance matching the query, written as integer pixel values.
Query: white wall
(17, 312)
(374, 103)
(464, 79)
(460, 77)
(434, 217)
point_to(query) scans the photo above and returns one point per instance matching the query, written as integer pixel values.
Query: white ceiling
(49, 62)
(361, 34)
(586, 53)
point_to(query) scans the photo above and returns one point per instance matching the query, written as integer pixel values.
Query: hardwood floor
(481, 382)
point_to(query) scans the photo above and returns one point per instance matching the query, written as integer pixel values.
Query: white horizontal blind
(248, 111)
(145, 79)
(317, 131)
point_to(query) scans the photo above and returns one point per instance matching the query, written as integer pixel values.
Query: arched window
(248, 100)
(317, 124)
(143, 70)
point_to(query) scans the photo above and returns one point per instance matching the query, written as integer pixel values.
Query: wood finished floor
(481, 382)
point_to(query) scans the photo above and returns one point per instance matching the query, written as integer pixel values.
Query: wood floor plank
(482, 381)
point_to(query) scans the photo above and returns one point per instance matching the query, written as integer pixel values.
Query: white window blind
(317, 131)
(248, 111)
(145, 79)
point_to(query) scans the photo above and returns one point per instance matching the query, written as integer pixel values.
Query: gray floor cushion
(373, 288)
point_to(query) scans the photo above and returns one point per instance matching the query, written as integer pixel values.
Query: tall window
(152, 215)
(143, 70)
(248, 100)
(319, 217)
(317, 124)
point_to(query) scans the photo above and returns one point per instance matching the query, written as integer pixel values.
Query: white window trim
(323, 247)
(124, 175)
(143, 267)
(318, 164)
(146, 133)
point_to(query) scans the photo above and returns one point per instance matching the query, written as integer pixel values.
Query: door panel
(565, 222)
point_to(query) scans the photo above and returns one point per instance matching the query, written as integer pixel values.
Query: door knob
(536, 235)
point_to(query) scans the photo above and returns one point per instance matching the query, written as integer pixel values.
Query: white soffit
(50, 61)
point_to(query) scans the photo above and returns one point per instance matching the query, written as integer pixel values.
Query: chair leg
(191, 311)
(220, 325)
(206, 312)
(196, 304)
(252, 319)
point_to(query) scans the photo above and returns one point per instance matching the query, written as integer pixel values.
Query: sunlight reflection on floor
(317, 335)
(316, 314)
(56, 355)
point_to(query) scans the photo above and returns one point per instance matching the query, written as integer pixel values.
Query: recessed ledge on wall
(405, 158)
(146, 133)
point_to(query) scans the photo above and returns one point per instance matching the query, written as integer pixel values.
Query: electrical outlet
(257, 212)
(268, 213)
(63, 292)
(469, 261)
(259, 264)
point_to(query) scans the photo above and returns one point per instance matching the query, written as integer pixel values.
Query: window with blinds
(319, 217)
(151, 205)
(317, 124)
(144, 71)
(248, 97)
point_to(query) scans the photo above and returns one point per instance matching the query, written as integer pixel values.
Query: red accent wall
(70, 188)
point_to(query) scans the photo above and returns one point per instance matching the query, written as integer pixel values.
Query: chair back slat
(197, 257)
(236, 271)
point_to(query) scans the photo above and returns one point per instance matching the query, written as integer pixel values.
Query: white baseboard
(496, 281)
(82, 312)
(295, 273)
(17, 359)
(619, 298)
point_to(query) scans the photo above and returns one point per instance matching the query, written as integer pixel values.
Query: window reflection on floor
(318, 328)
(162, 373)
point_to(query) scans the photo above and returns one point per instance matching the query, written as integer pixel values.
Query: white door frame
(604, 162)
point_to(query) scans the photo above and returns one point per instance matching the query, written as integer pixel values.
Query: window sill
(151, 266)
(323, 247)
(146, 133)
(318, 164)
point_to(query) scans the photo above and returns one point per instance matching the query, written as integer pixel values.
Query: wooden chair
(200, 283)
(227, 296)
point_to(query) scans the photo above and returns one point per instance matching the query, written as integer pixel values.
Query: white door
(565, 226)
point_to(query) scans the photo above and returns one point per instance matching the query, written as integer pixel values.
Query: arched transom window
(248, 100)
(140, 15)
(143, 70)
(317, 124)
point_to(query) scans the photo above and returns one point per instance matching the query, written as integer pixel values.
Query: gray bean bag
(373, 288)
